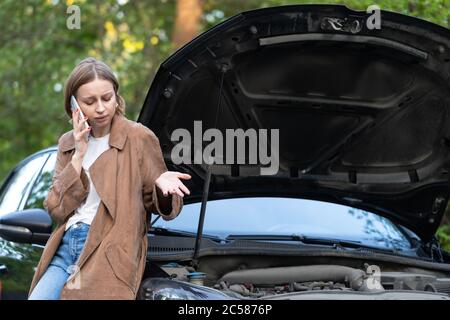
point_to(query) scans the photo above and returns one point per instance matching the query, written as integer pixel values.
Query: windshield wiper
(309, 240)
(181, 233)
(279, 237)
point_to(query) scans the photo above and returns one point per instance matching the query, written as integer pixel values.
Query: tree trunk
(187, 22)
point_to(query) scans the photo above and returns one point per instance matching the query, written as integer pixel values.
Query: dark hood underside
(362, 116)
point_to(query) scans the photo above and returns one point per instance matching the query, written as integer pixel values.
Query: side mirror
(28, 226)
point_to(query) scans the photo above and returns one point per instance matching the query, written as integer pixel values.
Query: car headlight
(170, 289)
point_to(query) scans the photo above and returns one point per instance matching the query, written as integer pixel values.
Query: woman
(107, 178)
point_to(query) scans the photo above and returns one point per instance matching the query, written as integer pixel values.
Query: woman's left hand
(169, 183)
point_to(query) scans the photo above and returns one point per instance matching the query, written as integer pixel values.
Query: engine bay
(280, 278)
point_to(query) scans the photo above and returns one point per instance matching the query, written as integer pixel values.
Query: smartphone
(74, 106)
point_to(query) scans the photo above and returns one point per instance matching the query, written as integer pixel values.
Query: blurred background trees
(38, 51)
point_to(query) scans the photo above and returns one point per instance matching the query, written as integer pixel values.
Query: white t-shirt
(87, 210)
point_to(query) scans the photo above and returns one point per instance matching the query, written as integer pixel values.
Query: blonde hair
(86, 71)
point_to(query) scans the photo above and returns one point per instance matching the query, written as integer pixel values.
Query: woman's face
(98, 102)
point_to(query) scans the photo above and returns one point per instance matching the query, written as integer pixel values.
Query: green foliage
(38, 52)
(443, 235)
(437, 11)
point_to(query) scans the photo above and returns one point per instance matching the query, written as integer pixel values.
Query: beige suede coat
(113, 258)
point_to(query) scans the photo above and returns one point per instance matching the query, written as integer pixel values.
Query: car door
(26, 187)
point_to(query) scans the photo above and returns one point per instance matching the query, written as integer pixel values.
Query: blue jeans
(50, 285)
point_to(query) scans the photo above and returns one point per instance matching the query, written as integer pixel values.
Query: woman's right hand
(80, 135)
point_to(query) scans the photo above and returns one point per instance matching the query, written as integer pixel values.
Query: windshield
(289, 216)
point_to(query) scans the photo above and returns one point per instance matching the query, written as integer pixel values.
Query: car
(363, 161)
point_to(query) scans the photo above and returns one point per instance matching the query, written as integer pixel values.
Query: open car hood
(363, 115)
